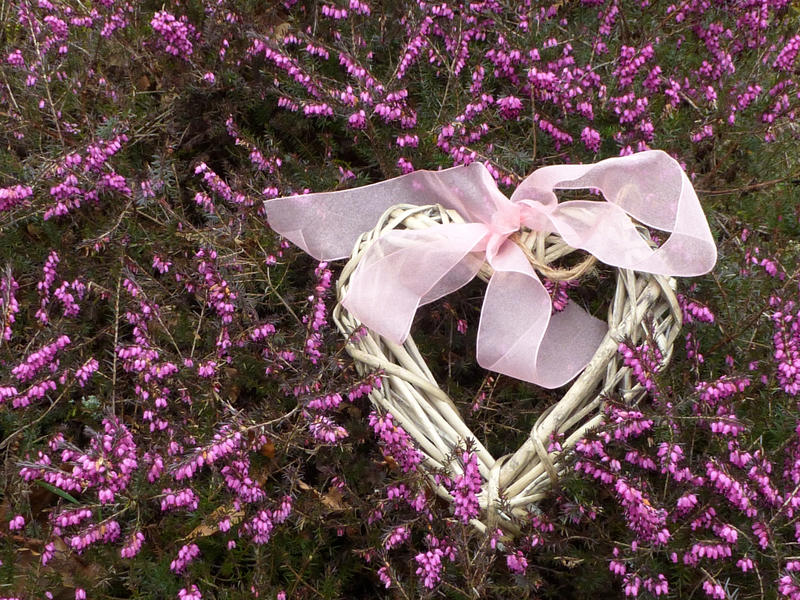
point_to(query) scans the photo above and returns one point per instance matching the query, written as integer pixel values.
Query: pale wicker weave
(644, 306)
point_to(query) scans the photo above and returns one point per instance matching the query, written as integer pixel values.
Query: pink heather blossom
(185, 498)
(207, 369)
(358, 120)
(39, 359)
(591, 139)
(105, 465)
(237, 477)
(430, 562)
(16, 59)
(398, 536)
(192, 593)
(9, 306)
(97, 155)
(327, 402)
(260, 527)
(693, 311)
(325, 430)
(132, 546)
(644, 362)
(186, 554)
(430, 567)
(397, 442)
(17, 523)
(175, 34)
(161, 265)
(509, 107)
(360, 7)
(517, 563)
(714, 590)
(11, 197)
(466, 488)
(657, 586)
(69, 293)
(788, 54)
(384, 576)
(85, 371)
(706, 131)
(632, 583)
(745, 564)
(786, 345)
(411, 141)
(314, 109)
(558, 293)
(69, 518)
(333, 12)
(44, 286)
(617, 567)
(318, 319)
(405, 165)
(646, 521)
(48, 553)
(107, 532)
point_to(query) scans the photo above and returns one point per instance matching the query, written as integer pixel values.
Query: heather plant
(177, 415)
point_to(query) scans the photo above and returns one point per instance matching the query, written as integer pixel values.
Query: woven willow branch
(644, 306)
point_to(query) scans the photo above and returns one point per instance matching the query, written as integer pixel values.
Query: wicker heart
(643, 306)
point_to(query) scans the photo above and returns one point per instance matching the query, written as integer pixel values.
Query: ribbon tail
(404, 269)
(569, 343)
(517, 335)
(327, 225)
(690, 250)
(607, 232)
(652, 188)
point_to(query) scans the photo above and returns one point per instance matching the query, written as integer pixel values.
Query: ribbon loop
(517, 335)
(405, 269)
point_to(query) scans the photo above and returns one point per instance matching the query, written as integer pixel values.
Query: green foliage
(183, 137)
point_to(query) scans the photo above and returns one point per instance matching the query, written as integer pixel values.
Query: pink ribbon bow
(517, 334)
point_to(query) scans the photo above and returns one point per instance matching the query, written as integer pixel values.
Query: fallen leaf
(211, 526)
(334, 499)
(268, 449)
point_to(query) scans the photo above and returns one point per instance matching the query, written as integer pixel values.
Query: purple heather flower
(190, 593)
(17, 523)
(517, 563)
(466, 488)
(175, 34)
(186, 555)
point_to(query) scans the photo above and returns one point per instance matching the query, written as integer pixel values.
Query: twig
(274, 290)
(748, 188)
(46, 83)
(197, 331)
(19, 431)
(99, 238)
(450, 73)
(6, 300)
(299, 577)
(116, 339)
(273, 421)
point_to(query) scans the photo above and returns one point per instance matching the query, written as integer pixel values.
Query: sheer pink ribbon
(517, 335)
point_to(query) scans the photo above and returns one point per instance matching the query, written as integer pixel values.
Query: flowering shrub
(178, 417)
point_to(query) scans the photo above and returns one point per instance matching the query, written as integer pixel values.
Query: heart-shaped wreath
(644, 308)
(437, 230)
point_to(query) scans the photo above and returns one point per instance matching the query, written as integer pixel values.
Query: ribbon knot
(506, 220)
(517, 334)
